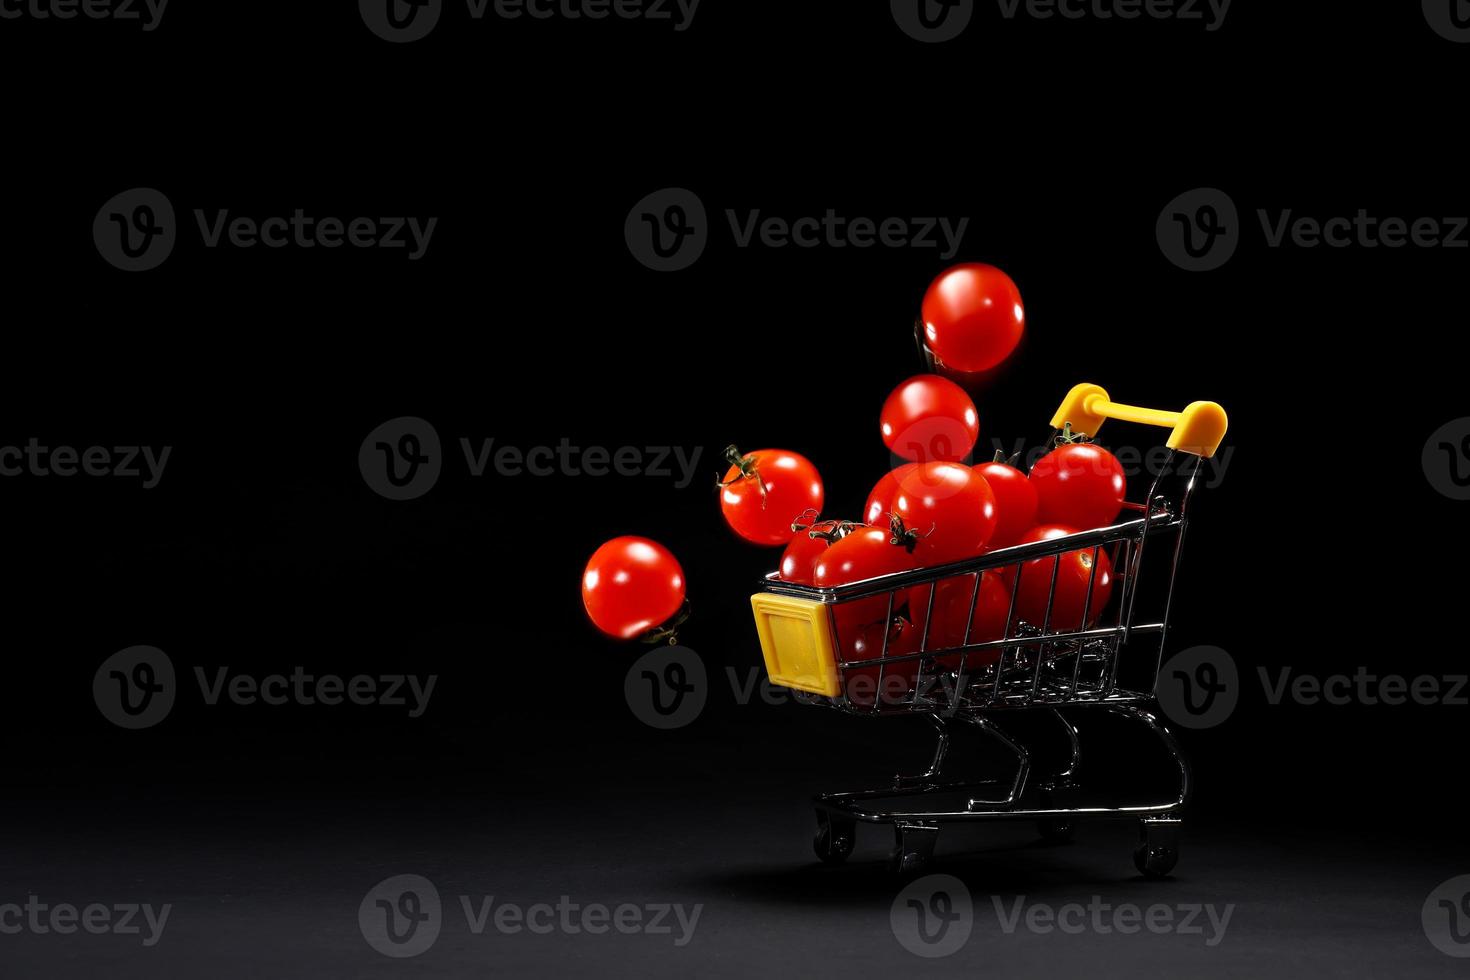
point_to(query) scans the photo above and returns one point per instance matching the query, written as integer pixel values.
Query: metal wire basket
(1107, 658)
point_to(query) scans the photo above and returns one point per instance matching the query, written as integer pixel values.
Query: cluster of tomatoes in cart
(932, 510)
(936, 510)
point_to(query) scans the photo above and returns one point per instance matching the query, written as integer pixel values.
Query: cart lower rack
(1105, 660)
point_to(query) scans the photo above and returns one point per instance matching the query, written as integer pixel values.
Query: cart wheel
(1056, 831)
(1158, 848)
(834, 839)
(913, 846)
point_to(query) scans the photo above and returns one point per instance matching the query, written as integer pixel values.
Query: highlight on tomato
(1074, 569)
(632, 586)
(928, 418)
(944, 511)
(1078, 484)
(973, 317)
(880, 500)
(765, 492)
(1016, 501)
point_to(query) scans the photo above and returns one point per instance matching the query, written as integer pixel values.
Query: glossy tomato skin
(952, 612)
(880, 501)
(792, 487)
(1079, 485)
(1016, 503)
(973, 317)
(929, 418)
(798, 561)
(865, 553)
(632, 585)
(949, 507)
(1073, 570)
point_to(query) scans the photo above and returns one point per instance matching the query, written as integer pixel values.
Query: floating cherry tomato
(1015, 502)
(1074, 569)
(880, 501)
(764, 492)
(929, 418)
(631, 586)
(947, 511)
(1079, 485)
(973, 317)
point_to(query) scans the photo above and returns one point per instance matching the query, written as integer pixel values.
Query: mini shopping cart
(1108, 661)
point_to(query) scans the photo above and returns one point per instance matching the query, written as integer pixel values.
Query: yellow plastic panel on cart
(796, 640)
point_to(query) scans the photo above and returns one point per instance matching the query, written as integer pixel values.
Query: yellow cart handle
(1197, 430)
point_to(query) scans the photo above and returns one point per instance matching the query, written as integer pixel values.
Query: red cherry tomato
(973, 317)
(952, 612)
(1074, 569)
(862, 684)
(880, 501)
(798, 561)
(929, 418)
(948, 509)
(764, 492)
(1015, 502)
(1079, 485)
(865, 553)
(632, 585)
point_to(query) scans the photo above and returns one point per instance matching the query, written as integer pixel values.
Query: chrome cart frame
(1056, 673)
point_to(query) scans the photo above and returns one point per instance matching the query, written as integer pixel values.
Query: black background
(1324, 548)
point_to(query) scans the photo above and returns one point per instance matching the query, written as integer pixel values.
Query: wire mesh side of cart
(1112, 652)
